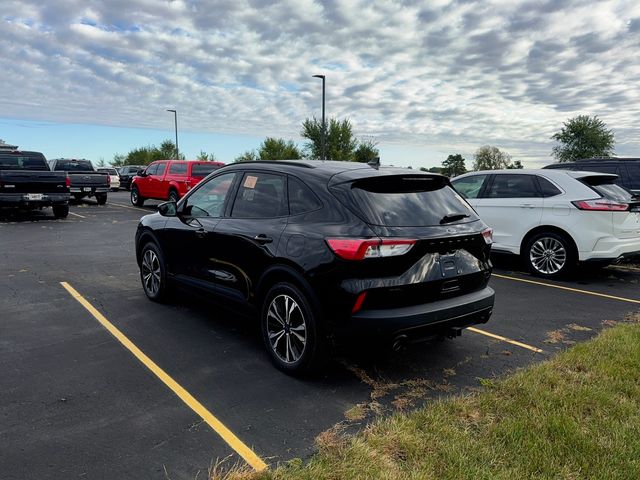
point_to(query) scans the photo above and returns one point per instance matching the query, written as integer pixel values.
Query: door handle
(526, 205)
(262, 238)
(201, 233)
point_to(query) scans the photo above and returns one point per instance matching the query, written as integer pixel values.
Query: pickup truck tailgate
(33, 181)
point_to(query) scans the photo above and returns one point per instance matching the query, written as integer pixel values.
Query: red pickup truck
(169, 179)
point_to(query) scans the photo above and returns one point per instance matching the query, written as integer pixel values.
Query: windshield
(74, 166)
(416, 201)
(203, 169)
(22, 162)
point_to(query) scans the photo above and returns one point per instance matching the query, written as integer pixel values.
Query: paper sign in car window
(250, 181)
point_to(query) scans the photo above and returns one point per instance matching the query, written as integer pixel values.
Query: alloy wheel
(548, 255)
(151, 272)
(286, 328)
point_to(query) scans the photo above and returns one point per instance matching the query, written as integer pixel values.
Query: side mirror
(168, 209)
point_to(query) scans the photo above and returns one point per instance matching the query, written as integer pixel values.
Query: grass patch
(574, 416)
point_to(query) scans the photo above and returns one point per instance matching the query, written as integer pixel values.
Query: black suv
(627, 169)
(323, 250)
(127, 173)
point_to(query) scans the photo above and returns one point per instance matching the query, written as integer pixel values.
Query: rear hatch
(446, 252)
(615, 201)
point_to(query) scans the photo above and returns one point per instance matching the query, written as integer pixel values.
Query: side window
(633, 169)
(548, 189)
(152, 169)
(209, 199)
(301, 198)
(161, 168)
(513, 186)
(261, 195)
(469, 187)
(178, 168)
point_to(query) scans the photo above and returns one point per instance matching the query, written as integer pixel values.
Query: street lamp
(175, 121)
(322, 139)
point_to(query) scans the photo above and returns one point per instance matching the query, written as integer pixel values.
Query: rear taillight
(108, 180)
(359, 301)
(601, 205)
(487, 234)
(67, 181)
(359, 248)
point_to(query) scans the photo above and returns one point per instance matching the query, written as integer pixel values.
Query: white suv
(555, 218)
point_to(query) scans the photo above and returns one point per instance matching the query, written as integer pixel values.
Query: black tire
(101, 198)
(173, 196)
(307, 356)
(60, 211)
(153, 274)
(550, 255)
(136, 199)
(78, 196)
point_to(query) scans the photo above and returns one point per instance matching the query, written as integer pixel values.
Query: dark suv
(127, 173)
(627, 169)
(322, 251)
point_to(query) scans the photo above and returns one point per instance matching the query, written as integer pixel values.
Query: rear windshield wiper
(453, 217)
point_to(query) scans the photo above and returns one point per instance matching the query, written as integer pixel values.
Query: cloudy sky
(90, 78)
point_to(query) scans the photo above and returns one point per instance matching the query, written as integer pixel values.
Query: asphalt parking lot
(76, 403)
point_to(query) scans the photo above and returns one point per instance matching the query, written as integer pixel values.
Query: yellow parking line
(128, 206)
(569, 289)
(227, 435)
(505, 339)
(77, 215)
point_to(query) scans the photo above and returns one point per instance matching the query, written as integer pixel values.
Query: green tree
(366, 151)
(516, 165)
(454, 165)
(248, 156)
(118, 160)
(278, 149)
(101, 163)
(340, 143)
(491, 158)
(431, 170)
(583, 137)
(146, 155)
(206, 157)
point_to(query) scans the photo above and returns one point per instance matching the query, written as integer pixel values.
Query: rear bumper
(433, 318)
(19, 200)
(89, 190)
(611, 249)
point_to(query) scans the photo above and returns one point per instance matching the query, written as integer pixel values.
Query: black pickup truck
(85, 180)
(26, 183)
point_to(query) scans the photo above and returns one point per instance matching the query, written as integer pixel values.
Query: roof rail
(293, 162)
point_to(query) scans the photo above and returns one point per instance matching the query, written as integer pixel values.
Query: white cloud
(451, 75)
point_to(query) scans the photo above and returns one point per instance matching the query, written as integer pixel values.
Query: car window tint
(513, 186)
(161, 168)
(151, 169)
(178, 168)
(301, 198)
(410, 201)
(469, 187)
(633, 170)
(202, 169)
(548, 189)
(208, 200)
(261, 195)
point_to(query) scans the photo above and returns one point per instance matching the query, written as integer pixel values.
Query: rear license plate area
(448, 266)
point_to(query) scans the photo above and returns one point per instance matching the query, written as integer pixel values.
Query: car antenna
(375, 163)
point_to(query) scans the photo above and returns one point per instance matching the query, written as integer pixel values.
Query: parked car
(85, 180)
(324, 250)
(627, 169)
(114, 178)
(127, 173)
(554, 219)
(169, 179)
(27, 183)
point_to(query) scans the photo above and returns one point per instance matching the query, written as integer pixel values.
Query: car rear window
(74, 166)
(410, 201)
(202, 169)
(22, 162)
(110, 171)
(606, 187)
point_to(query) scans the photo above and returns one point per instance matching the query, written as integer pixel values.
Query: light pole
(175, 122)
(322, 139)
